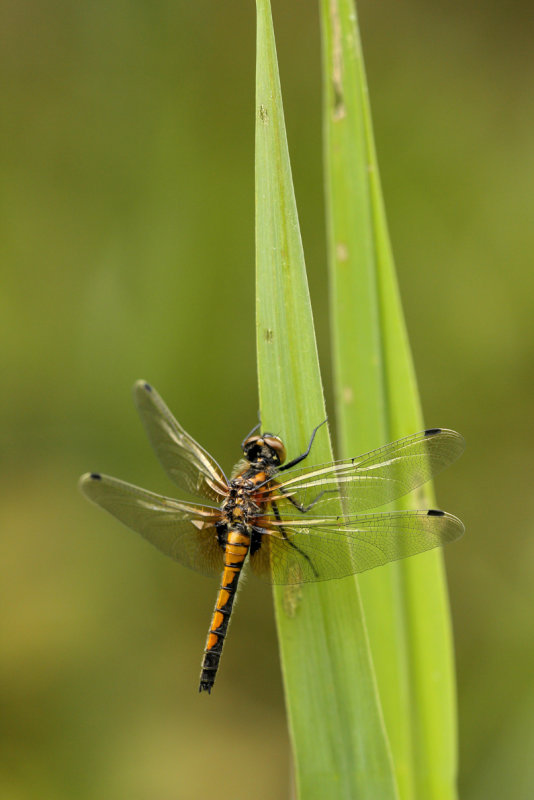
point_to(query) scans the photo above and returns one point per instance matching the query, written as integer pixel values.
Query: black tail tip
(205, 687)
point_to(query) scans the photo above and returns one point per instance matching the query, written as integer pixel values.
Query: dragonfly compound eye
(276, 444)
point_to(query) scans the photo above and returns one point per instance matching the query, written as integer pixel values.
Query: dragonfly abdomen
(235, 551)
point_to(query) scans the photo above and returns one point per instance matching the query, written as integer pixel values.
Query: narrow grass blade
(337, 732)
(376, 396)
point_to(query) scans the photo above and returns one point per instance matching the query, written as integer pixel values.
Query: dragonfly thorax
(240, 505)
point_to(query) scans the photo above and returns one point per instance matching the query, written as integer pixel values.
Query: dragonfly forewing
(374, 479)
(186, 462)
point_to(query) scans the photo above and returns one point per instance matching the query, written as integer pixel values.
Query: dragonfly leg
(300, 458)
(301, 508)
(288, 540)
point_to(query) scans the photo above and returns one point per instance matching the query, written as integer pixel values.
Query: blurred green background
(127, 251)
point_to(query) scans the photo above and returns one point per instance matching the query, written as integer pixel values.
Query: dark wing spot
(148, 387)
(432, 431)
(95, 476)
(435, 512)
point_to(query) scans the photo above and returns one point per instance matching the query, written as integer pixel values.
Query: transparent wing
(183, 531)
(334, 547)
(184, 460)
(371, 480)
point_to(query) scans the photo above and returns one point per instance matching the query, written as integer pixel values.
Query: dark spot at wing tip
(147, 386)
(95, 476)
(432, 431)
(435, 512)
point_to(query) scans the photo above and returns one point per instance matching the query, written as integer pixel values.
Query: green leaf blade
(377, 401)
(337, 732)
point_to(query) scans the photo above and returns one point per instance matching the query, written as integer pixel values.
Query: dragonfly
(288, 524)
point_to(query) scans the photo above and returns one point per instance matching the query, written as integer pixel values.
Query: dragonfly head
(267, 447)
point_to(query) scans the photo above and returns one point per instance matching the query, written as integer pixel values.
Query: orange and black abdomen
(235, 551)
